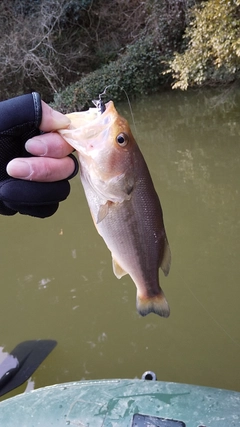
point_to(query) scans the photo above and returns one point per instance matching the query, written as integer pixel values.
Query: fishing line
(210, 316)
(128, 100)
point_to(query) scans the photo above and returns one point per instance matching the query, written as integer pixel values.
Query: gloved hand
(20, 120)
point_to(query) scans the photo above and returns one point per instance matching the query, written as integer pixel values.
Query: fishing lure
(99, 104)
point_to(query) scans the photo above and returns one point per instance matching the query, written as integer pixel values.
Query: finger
(41, 169)
(52, 119)
(48, 145)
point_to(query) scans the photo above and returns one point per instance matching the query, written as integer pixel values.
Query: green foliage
(137, 73)
(213, 49)
(139, 69)
(75, 48)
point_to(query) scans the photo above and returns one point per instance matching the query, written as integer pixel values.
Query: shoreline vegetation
(70, 51)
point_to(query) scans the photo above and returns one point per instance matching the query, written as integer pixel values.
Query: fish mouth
(89, 129)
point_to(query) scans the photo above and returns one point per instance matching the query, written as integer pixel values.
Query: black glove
(20, 118)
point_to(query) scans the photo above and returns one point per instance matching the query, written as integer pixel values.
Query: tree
(30, 57)
(47, 44)
(212, 52)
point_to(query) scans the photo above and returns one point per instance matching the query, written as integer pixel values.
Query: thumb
(52, 119)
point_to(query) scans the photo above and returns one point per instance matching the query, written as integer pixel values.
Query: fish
(123, 202)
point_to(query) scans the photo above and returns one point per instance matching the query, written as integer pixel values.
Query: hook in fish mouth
(99, 104)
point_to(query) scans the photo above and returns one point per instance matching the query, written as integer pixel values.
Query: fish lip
(84, 137)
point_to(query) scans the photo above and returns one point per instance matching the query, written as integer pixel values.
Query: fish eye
(122, 139)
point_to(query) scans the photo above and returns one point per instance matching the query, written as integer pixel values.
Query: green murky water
(56, 274)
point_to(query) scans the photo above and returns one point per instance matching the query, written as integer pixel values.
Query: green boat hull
(110, 403)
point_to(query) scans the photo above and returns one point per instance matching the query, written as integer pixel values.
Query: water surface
(56, 274)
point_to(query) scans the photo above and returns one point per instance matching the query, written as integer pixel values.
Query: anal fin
(117, 269)
(166, 259)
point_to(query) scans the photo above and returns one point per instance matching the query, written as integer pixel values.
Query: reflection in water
(57, 280)
(42, 284)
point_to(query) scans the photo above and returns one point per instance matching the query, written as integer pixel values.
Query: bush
(35, 54)
(139, 69)
(47, 44)
(137, 73)
(212, 55)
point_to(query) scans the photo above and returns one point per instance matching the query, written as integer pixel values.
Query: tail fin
(156, 304)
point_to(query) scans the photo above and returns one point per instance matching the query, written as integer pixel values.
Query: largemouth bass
(123, 202)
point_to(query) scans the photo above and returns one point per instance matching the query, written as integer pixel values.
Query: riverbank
(71, 51)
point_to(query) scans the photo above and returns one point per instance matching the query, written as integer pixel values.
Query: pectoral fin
(103, 211)
(166, 260)
(117, 269)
